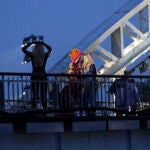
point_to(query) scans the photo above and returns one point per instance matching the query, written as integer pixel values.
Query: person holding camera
(38, 57)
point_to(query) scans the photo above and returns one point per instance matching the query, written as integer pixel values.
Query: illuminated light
(24, 62)
(26, 59)
(33, 45)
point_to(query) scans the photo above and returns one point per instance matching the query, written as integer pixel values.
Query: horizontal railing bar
(77, 75)
(64, 96)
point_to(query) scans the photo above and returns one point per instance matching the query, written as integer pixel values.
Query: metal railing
(79, 95)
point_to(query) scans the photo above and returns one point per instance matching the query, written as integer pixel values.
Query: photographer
(38, 58)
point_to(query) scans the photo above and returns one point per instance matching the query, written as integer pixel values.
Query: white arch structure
(127, 34)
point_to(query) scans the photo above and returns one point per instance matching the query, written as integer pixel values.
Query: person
(69, 95)
(118, 89)
(75, 67)
(84, 90)
(126, 94)
(38, 58)
(90, 83)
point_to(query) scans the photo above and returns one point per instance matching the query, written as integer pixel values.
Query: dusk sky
(62, 23)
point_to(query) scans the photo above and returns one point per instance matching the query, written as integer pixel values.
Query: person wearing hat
(72, 98)
(82, 63)
(75, 67)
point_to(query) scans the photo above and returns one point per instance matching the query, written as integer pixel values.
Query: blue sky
(62, 23)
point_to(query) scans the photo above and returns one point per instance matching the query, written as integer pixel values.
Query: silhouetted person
(38, 58)
(126, 94)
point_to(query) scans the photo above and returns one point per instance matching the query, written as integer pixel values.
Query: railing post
(2, 105)
(56, 91)
(93, 93)
(126, 99)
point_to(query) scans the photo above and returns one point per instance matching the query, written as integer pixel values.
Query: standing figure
(38, 58)
(75, 67)
(90, 88)
(71, 93)
(118, 88)
(85, 88)
(126, 94)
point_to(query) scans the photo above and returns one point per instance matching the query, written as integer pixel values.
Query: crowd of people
(79, 91)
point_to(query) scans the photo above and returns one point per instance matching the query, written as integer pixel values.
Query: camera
(33, 38)
(30, 39)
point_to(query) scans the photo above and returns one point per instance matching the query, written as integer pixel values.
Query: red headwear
(75, 54)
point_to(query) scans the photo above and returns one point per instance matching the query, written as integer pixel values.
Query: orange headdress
(75, 54)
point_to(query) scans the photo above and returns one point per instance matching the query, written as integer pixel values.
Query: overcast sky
(63, 23)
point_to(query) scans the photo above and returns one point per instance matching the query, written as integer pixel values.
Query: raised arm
(25, 47)
(48, 48)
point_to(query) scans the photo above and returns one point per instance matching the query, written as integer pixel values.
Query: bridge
(65, 123)
(127, 34)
